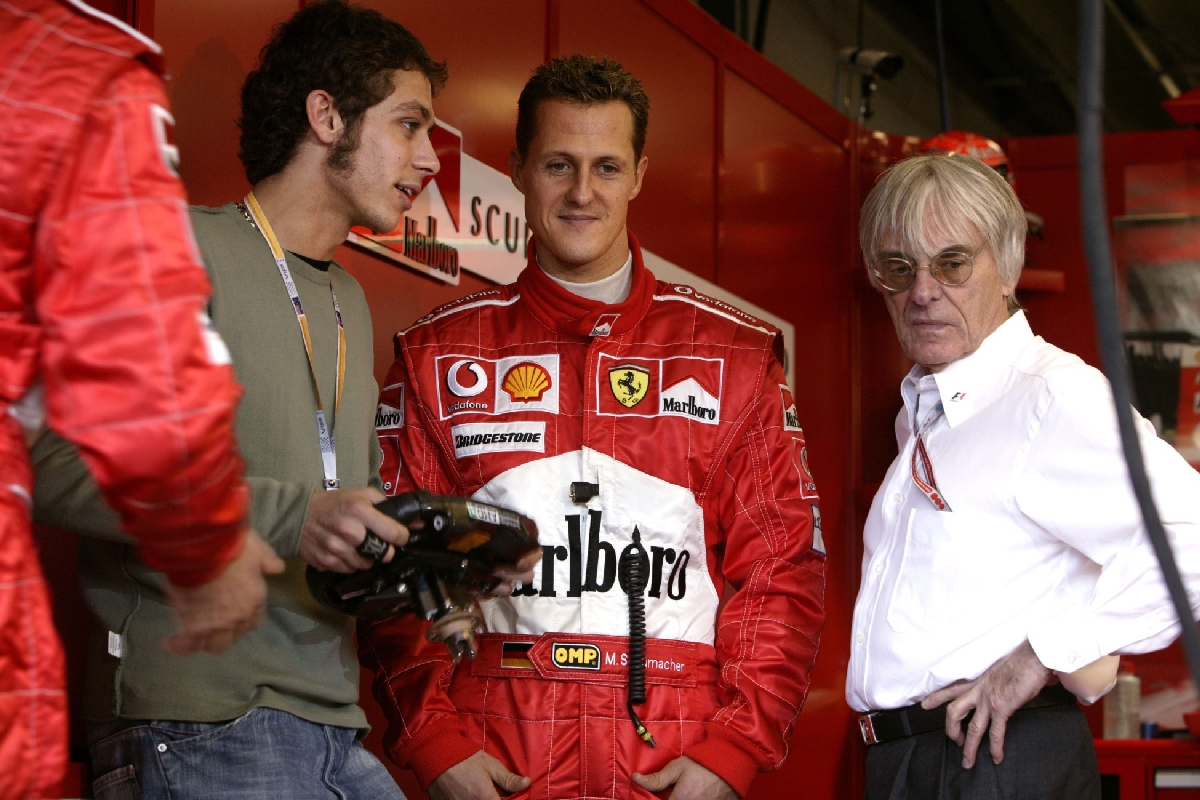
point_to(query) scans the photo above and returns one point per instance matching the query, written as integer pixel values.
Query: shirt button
(878, 568)
(1071, 659)
(859, 638)
(896, 498)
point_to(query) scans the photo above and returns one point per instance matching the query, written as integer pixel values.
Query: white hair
(952, 195)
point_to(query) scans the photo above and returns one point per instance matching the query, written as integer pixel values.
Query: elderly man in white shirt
(1005, 556)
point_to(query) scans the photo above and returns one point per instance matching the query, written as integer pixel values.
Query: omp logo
(577, 656)
(470, 387)
(483, 437)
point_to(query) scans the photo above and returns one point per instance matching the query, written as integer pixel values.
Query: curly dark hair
(585, 80)
(345, 50)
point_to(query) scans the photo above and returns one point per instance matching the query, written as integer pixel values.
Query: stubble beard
(342, 171)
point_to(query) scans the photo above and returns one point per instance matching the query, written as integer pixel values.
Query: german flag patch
(515, 655)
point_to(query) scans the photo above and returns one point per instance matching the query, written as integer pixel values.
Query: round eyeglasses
(950, 268)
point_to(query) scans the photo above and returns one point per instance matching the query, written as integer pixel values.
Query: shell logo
(526, 382)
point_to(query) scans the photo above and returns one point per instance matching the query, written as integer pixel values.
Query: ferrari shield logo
(629, 383)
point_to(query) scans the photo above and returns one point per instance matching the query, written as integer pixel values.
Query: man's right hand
(337, 523)
(215, 614)
(476, 778)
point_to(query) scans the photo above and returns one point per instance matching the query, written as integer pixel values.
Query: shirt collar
(611, 290)
(967, 384)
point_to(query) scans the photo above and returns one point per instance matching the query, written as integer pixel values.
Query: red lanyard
(922, 467)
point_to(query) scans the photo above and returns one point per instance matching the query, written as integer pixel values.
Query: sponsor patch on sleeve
(808, 486)
(818, 538)
(389, 416)
(791, 418)
(477, 438)
(164, 135)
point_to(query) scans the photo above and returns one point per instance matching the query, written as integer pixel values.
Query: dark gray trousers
(1048, 755)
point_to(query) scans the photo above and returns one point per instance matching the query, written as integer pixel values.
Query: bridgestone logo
(477, 438)
(495, 438)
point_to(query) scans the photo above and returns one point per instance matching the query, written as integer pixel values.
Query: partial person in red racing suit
(649, 414)
(103, 338)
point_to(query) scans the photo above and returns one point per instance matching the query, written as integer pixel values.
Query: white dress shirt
(1044, 540)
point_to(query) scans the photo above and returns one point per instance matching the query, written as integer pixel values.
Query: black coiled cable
(1104, 305)
(634, 563)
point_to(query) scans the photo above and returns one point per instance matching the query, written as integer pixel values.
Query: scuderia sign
(468, 217)
(471, 217)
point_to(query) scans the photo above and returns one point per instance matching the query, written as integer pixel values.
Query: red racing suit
(102, 301)
(674, 406)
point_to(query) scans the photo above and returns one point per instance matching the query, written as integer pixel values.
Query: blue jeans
(264, 754)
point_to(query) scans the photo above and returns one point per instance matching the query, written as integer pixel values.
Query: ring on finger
(372, 547)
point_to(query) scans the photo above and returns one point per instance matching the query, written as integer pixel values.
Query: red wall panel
(490, 49)
(1047, 175)
(210, 47)
(675, 214)
(784, 203)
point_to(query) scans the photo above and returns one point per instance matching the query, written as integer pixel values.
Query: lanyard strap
(922, 467)
(326, 436)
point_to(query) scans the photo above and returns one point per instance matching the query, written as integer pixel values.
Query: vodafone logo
(461, 386)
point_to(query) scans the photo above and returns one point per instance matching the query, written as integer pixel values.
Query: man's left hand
(995, 695)
(691, 782)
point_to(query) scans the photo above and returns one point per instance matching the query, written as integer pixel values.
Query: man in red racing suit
(103, 338)
(664, 417)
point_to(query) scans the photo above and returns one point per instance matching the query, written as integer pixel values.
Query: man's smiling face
(578, 177)
(393, 157)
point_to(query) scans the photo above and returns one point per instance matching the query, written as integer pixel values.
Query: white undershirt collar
(611, 290)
